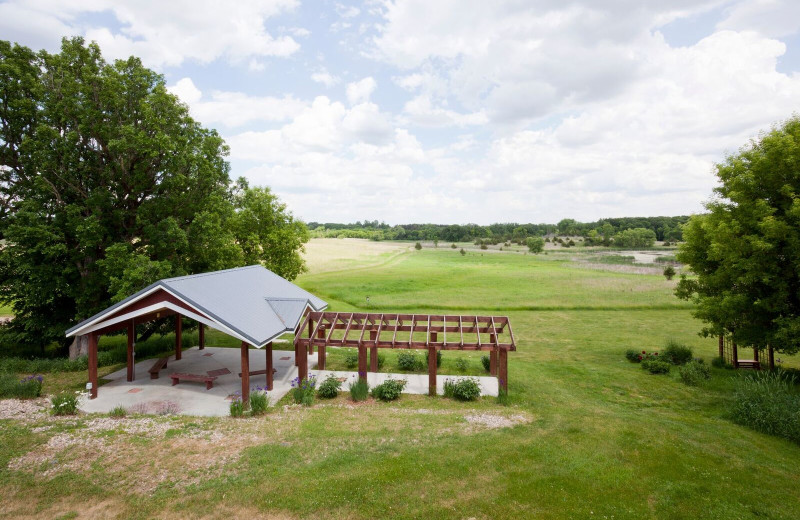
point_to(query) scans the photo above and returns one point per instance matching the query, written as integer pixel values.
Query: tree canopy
(745, 252)
(107, 184)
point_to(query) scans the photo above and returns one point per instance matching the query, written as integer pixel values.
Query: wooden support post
(302, 362)
(373, 352)
(721, 346)
(362, 362)
(735, 356)
(178, 336)
(493, 362)
(245, 374)
(321, 350)
(93, 364)
(771, 359)
(129, 360)
(502, 372)
(432, 371)
(755, 354)
(268, 349)
(202, 333)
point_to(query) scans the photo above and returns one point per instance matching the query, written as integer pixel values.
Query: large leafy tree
(745, 252)
(107, 184)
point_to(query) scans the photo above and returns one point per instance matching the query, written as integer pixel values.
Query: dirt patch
(24, 409)
(492, 421)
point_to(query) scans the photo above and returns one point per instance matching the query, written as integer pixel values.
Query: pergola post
(492, 357)
(321, 350)
(178, 336)
(202, 339)
(129, 359)
(245, 374)
(268, 349)
(755, 354)
(771, 359)
(735, 356)
(373, 352)
(432, 366)
(93, 364)
(502, 375)
(362, 362)
(302, 361)
(721, 346)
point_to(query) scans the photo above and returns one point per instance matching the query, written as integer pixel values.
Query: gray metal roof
(252, 301)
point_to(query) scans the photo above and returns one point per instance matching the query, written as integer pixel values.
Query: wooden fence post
(502, 375)
(268, 349)
(321, 350)
(362, 362)
(245, 374)
(432, 371)
(373, 352)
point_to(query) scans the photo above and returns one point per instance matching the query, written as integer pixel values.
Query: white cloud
(360, 91)
(326, 78)
(421, 111)
(774, 18)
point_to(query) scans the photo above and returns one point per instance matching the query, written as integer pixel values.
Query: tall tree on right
(745, 252)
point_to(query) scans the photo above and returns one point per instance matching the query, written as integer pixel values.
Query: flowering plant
(303, 391)
(237, 406)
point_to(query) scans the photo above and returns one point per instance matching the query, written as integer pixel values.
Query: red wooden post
(373, 352)
(310, 336)
(202, 333)
(93, 364)
(755, 354)
(735, 356)
(178, 336)
(268, 349)
(302, 362)
(245, 374)
(321, 350)
(771, 359)
(362, 362)
(502, 375)
(493, 362)
(721, 346)
(431, 370)
(129, 359)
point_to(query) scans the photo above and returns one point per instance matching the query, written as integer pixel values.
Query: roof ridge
(212, 273)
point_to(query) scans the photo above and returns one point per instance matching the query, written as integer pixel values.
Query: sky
(460, 111)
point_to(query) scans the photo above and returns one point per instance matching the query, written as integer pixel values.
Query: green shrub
(633, 355)
(453, 246)
(389, 390)
(486, 362)
(669, 272)
(676, 353)
(329, 387)
(259, 401)
(65, 403)
(462, 364)
(719, 362)
(351, 359)
(118, 412)
(438, 358)
(359, 389)
(694, 373)
(417, 246)
(303, 391)
(655, 366)
(28, 387)
(381, 360)
(237, 406)
(466, 389)
(409, 362)
(769, 403)
(462, 252)
(449, 388)
(484, 246)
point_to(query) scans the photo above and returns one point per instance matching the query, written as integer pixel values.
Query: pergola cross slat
(467, 328)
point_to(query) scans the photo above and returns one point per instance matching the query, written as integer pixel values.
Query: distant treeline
(601, 232)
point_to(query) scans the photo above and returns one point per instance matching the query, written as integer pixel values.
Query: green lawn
(598, 438)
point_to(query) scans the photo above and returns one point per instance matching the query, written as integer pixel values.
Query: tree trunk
(79, 347)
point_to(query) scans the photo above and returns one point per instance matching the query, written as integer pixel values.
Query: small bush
(409, 362)
(259, 401)
(633, 356)
(695, 373)
(303, 391)
(26, 388)
(438, 359)
(462, 364)
(719, 362)
(329, 388)
(453, 246)
(65, 403)
(462, 252)
(351, 359)
(389, 390)
(768, 402)
(656, 366)
(484, 246)
(486, 362)
(237, 406)
(381, 360)
(449, 388)
(676, 353)
(118, 412)
(466, 389)
(417, 246)
(359, 389)
(669, 272)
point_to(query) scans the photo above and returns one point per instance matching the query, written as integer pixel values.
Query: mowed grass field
(593, 436)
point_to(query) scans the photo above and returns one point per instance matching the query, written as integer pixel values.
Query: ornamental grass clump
(462, 364)
(409, 362)
(237, 405)
(303, 391)
(118, 412)
(329, 387)
(259, 401)
(486, 362)
(768, 402)
(359, 389)
(351, 359)
(65, 403)
(389, 390)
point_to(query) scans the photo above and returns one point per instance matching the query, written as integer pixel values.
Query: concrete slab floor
(416, 383)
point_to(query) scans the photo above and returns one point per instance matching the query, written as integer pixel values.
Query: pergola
(250, 303)
(430, 332)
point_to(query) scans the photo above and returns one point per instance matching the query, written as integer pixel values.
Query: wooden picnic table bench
(157, 366)
(208, 380)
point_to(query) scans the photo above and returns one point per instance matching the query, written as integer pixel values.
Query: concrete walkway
(416, 383)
